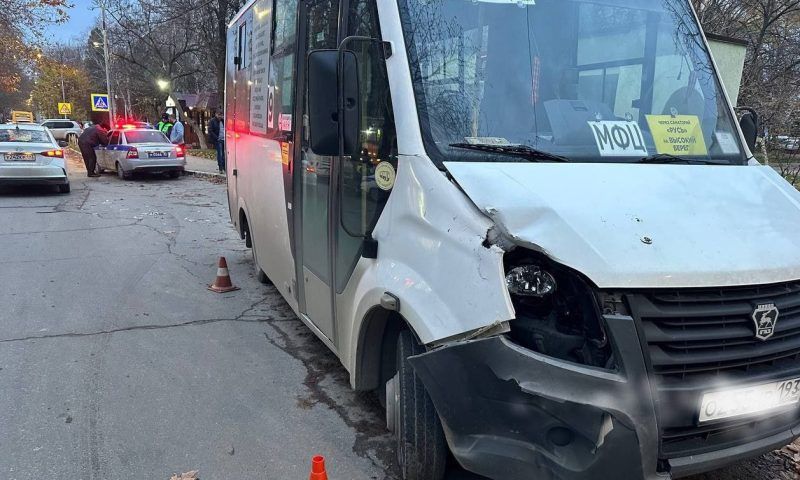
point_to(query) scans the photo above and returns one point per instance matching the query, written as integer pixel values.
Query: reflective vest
(164, 127)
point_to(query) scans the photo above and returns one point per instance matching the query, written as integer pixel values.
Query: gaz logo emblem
(765, 317)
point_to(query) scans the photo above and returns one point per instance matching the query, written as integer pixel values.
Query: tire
(64, 188)
(260, 275)
(175, 174)
(421, 445)
(121, 173)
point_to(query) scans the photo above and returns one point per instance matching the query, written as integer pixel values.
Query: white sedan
(140, 150)
(30, 155)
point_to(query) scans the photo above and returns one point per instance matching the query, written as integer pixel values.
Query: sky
(81, 21)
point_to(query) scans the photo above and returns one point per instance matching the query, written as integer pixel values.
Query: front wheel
(64, 188)
(421, 445)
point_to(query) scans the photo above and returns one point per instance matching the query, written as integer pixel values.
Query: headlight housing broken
(557, 311)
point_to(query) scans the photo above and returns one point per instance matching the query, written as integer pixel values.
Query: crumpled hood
(646, 226)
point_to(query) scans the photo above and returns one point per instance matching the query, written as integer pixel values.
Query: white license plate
(158, 154)
(19, 157)
(749, 400)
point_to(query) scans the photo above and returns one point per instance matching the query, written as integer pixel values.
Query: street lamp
(162, 84)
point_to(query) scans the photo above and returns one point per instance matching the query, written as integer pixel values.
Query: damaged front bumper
(510, 413)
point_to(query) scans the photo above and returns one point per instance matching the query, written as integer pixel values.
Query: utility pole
(61, 71)
(108, 66)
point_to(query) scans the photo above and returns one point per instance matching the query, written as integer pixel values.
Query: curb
(200, 174)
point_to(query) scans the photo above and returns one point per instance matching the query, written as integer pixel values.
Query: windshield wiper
(664, 158)
(517, 150)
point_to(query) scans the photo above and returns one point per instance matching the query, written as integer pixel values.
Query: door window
(243, 53)
(114, 139)
(322, 23)
(282, 69)
(361, 196)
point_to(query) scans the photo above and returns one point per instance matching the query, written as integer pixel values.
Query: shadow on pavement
(29, 190)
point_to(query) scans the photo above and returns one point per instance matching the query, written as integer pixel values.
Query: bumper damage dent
(512, 413)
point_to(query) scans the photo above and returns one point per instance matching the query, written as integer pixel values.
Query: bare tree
(159, 42)
(771, 79)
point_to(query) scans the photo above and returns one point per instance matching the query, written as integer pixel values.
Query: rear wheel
(410, 414)
(121, 173)
(64, 188)
(175, 174)
(260, 275)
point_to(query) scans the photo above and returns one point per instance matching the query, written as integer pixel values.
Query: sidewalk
(203, 166)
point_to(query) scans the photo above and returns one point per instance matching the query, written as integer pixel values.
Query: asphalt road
(116, 362)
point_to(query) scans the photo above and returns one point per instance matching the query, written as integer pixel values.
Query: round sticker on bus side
(384, 175)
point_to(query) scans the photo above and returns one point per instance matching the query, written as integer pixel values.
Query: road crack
(244, 317)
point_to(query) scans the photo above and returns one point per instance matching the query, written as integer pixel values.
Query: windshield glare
(23, 135)
(592, 81)
(146, 137)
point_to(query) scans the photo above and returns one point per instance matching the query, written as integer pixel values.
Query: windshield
(23, 135)
(615, 80)
(146, 137)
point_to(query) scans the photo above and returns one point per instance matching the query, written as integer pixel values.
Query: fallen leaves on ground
(190, 475)
(792, 453)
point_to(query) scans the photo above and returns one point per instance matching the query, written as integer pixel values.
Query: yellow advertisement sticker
(285, 153)
(678, 135)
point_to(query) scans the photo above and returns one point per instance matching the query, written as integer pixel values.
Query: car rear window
(23, 135)
(146, 137)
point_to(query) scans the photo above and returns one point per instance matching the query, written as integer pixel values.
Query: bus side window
(282, 64)
(242, 53)
(362, 197)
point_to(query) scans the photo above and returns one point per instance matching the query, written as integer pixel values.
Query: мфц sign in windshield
(591, 81)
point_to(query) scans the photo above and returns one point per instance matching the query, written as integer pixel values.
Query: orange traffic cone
(318, 468)
(223, 282)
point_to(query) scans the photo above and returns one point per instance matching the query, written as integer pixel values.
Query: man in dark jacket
(90, 138)
(216, 133)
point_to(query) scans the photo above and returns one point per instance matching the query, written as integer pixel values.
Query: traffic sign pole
(108, 65)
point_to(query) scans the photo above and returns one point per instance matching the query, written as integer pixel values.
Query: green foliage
(47, 91)
(207, 153)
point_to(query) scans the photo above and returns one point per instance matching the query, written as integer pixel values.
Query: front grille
(707, 331)
(698, 339)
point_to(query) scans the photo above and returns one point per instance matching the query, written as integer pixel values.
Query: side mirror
(327, 84)
(323, 104)
(749, 125)
(63, 143)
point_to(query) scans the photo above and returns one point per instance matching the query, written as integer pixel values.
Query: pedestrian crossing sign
(64, 108)
(99, 102)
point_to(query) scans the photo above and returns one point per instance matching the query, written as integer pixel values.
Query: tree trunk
(201, 136)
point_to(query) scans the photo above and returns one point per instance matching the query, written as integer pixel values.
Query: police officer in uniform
(165, 125)
(90, 138)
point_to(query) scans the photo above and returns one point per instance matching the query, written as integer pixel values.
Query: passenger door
(362, 196)
(112, 153)
(319, 30)
(230, 115)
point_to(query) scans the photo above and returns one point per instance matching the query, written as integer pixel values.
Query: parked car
(30, 155)
(141, 150)
(788, 144)
(63, 129)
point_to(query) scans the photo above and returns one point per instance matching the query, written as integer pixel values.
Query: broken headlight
(557, 312)
(530, 281)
